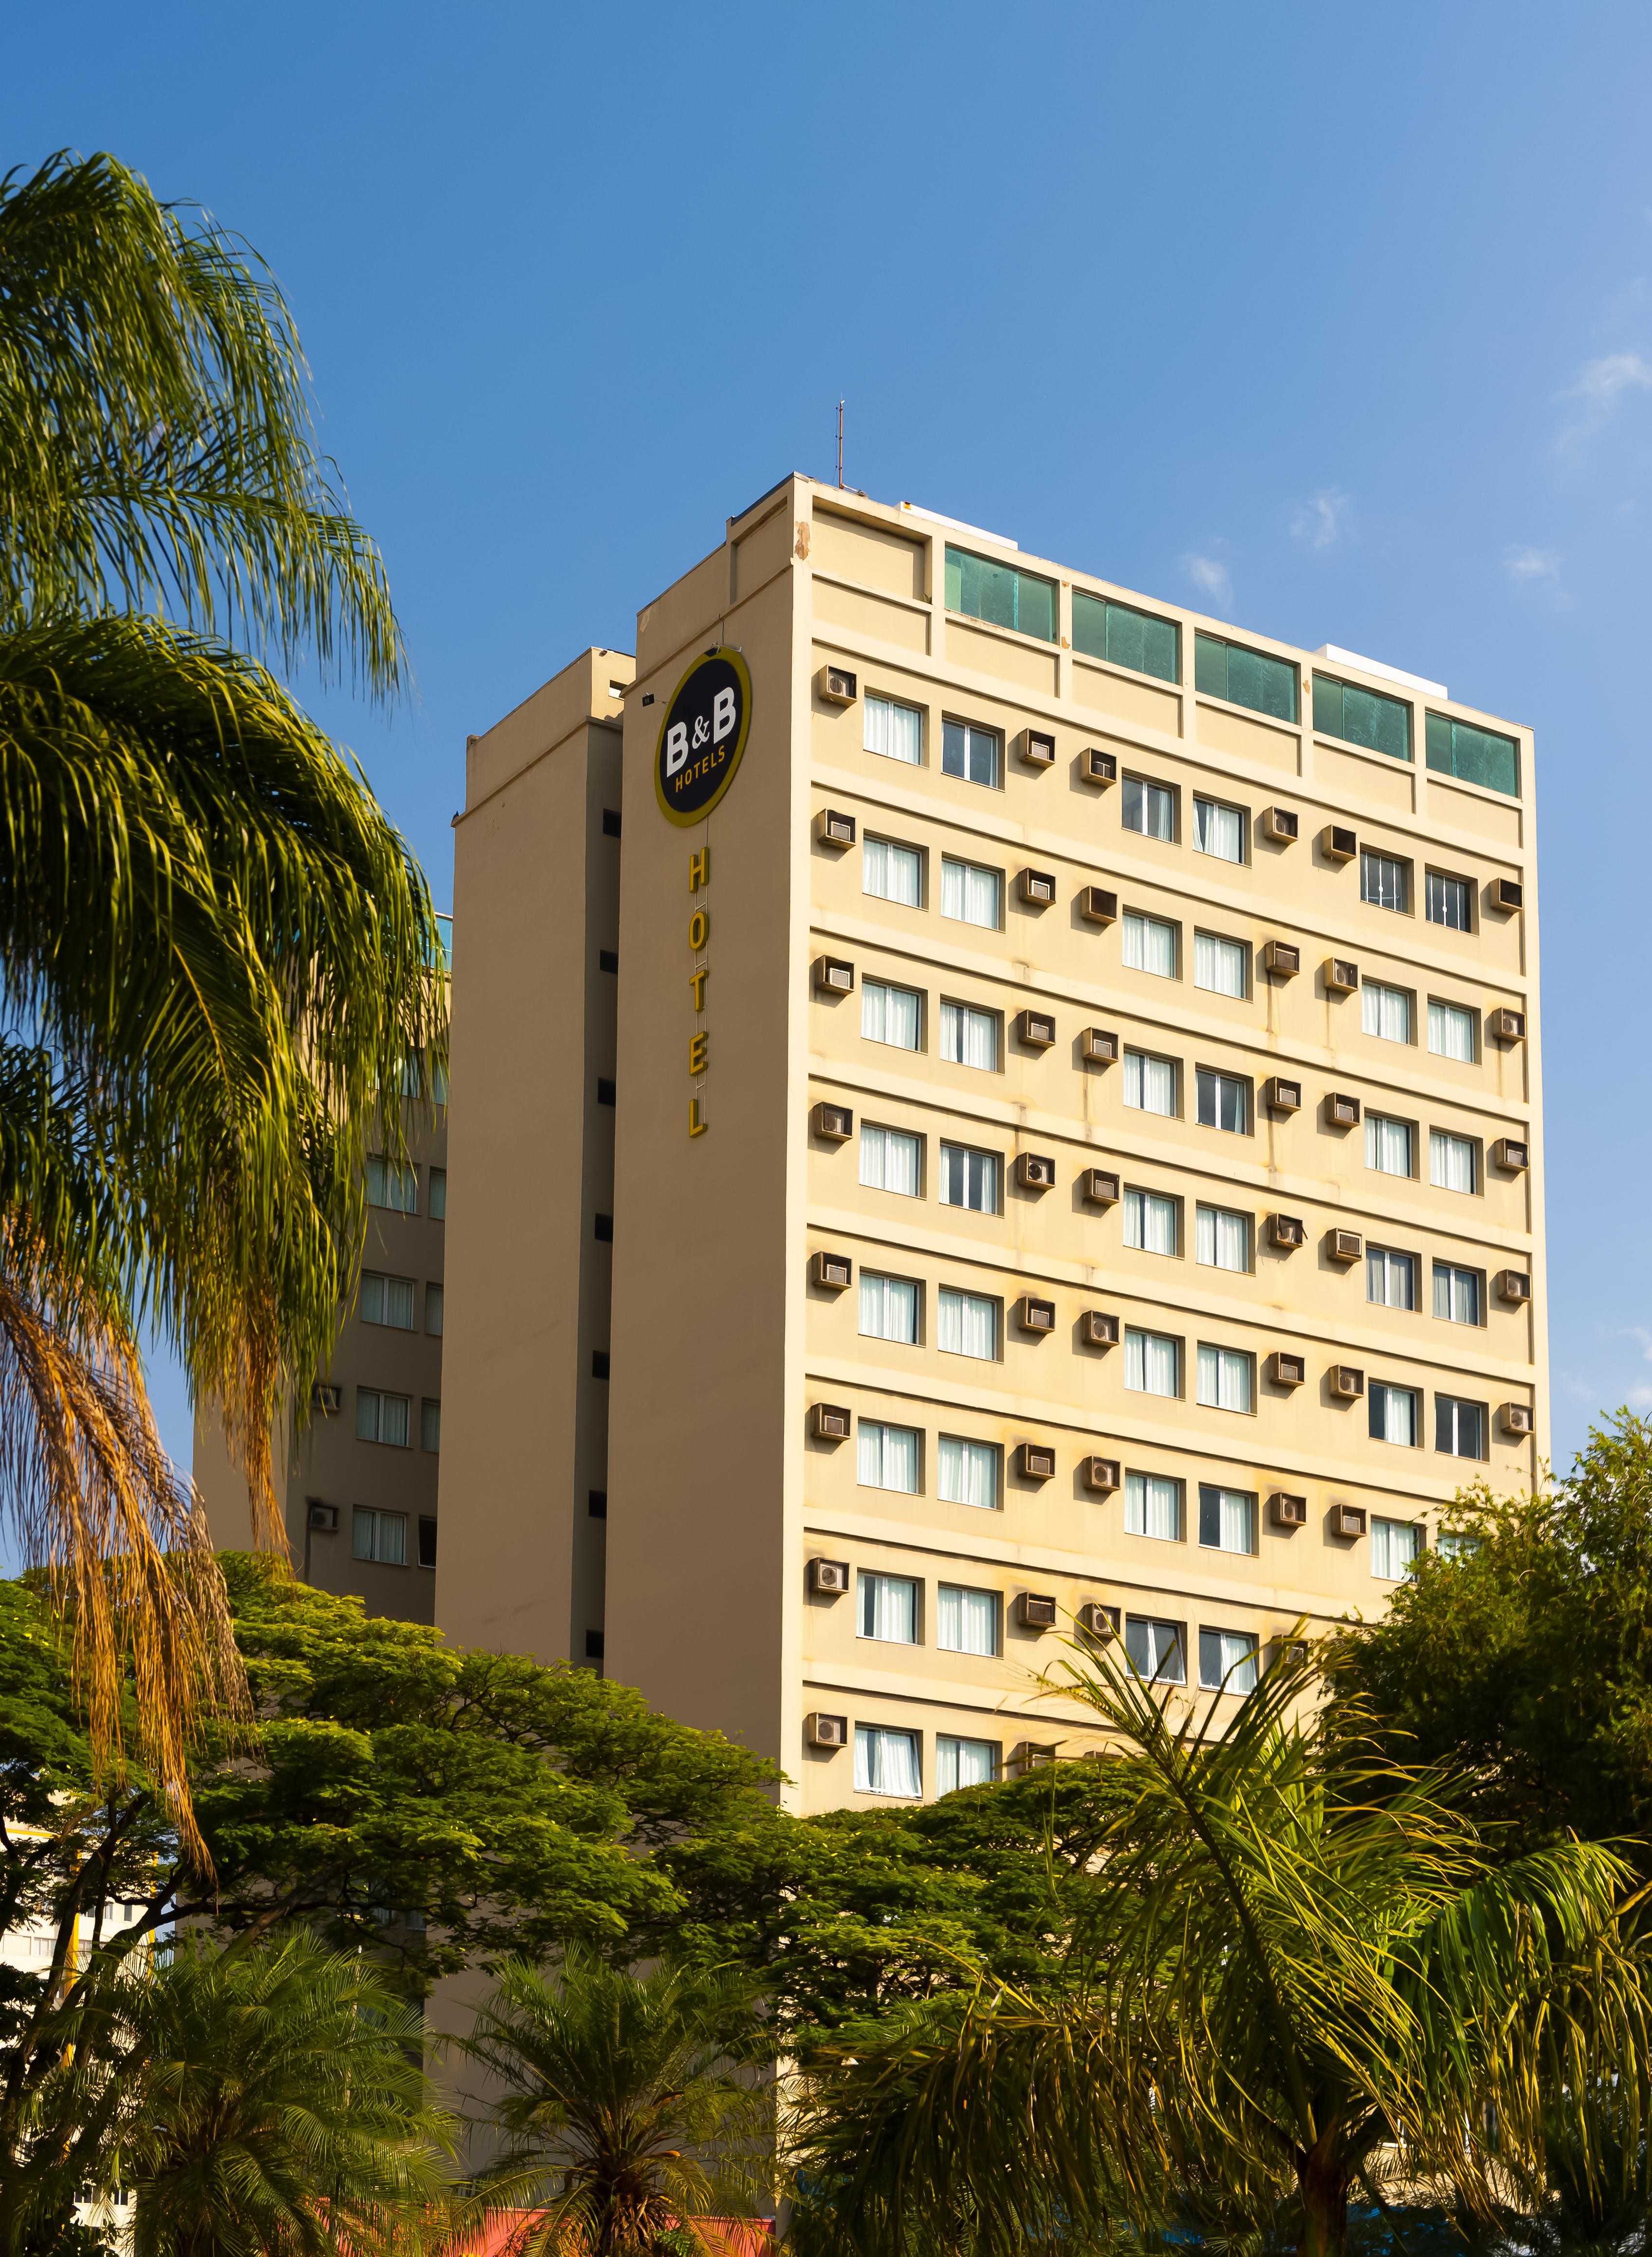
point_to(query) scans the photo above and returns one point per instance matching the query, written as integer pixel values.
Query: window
(1152, 1362)
(1227, 1660)
(887, 1762)
(1391, 1279)
(1361, 716)
(965, 1621)
(1384, 882)
(1148, 808)
(611, 823)
(1152, 1506)
(438, 1195)
(1387, 1145)
(607, 960)
(1454, 1543)
(1450, 1161)
(890, 872)
(1227, 1519)
(1155, 1648)
(435, 1299)
(1457, 1294)
(601, 1363)
(1451, 1032)
(889, 1309)
(1385, 1012)
(431, 1425)
(971, 893)
(605, 1091)
(970, 1178)
(1473, 756)
(426, 1539)
(1226, 1378)
(1001, 594)
(1219, 965)
(386, 1300)
(1243, 677)
(1459, 1428)
(968, 1325)
(964, 1762)
(1447, 901)
(969, 1038)
(381, 1418)
(895, 731)
(889, 1160)
(1394, 1545)
(886, 1457)
(1393, 1414)
(381, 1536)
(1149, 1083)
(971, 752)
(1222, 1238)
(1218, 829)
(889, 1607)
(1150, 944)
(967, 1473)
(1224, 1101)
(891, 1014)
(394, 1187)
(1150, 1222)
(1126, 637)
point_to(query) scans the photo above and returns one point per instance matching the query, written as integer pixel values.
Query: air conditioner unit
(1507, 894)
(1035, 1461)
(1281, 1095)
(1101, 1475)
(833, 828)
(1035, 1171)
(1343, 1245)
(1341, 1110)
(1100, 1186)
(1099, 1046)
(1512, 1153)
(1035, 1610)
(326, 1398)
(1506, 1026)
(827, 1732)
(1037, 748)
(1346, 1520)
(1286, 1230)
(1096, 905)
(829, 1579)
(833, 1422)
(1098, 1328)
(1279, 823)
(1036, 1029)
(1513, 1285)
(1516, 1418)
(1281, 960)
(1347, 1383)
(1032, 1755)
(1342, 975)
(1098, 766)
(834, 975)
(833, 1121)
(1098, 1622)
(837, 685)
(834, 1272)
(324, 1516)
(1034, 1315)
(1338, 844)
(1037, 886)
(1286, 1369)
(1286, 1511)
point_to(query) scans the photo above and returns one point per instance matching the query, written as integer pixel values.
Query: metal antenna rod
(840, 445)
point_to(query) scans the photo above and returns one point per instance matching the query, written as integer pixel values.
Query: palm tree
(626, 2116)
(1292, 1979)
(215, 951)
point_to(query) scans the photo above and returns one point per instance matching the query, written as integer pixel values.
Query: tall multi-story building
(985, 1101)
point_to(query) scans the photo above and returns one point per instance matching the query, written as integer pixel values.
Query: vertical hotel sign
(701, 739)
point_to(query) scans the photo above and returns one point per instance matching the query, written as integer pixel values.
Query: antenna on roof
(840, 445)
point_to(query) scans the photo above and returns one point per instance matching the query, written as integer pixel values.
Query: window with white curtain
(890, 872)
(1150, 1221)
(381, 1536)
(1227, 1660)
(971, 1178)
(1395, 1545)
(381, 1418)
(971, 893)
(968, 751)
(896, 732)
(1386, 1011)
(1218, 964)
(886, 1457)
(965, 1621)
(1227, 1518)
(889, 1160)
(1391, 1279)
(891, 1014)
(1393, 1414)
(1459, 1427)
(889, 1607)
(967, 1473)
(1152, 1362)
(1148, 807)
(1149, 1083)
(1457, 1294)
(386, 1300)
(969, 1038)
(1222, 1238)
(1388, 1144)
(1451, 1032)
(1149, 944)
(1447, 901)
(1223, 1101)
(968, 1324)
(392, 1185)
(1158, 1649)
(964, 1762)
(1152, 1506)
(888, 1308)
(1450, 1161)
(1384, 882)
(1226, 1377)
(1457, 1543)
(886, 1761)
(1218, 829)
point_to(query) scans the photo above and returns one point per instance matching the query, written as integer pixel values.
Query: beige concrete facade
(725, 1342)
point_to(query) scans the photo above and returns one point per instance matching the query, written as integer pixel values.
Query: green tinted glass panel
(1360, 717)
(1000, 595)
(1126, 637)
(1245, 677)
(1476, 755)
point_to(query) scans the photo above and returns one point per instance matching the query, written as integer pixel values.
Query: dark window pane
(427, 1542)
(1245, 677)
(1126, 637)
(597, 1504)
(954, 748)
(1000, 594)
(1475, 755)
(1360, 717)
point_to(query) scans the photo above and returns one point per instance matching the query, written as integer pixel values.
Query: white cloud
(1209, 575)
(1319, 522)
(1532, 568)
(1602, 380)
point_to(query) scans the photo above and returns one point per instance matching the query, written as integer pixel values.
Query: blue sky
(1335, 321)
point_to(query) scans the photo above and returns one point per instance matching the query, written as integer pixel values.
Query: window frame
(991, 1301)
(1244, 1358)
(1406, 869)
(995, 1652)
(381, 1395)
(1219, 1075)
(1219, 1491)
(886, 1277)
(915, 1742)
(1440, 753)
(971, 729)
(884, 1128)
(1224, 941)
(1150, 1057)
(866, 1579)
(1453, 1403)
(1146, 783)
(1242, 860)
(1412, 1129)
(1013, 572)
(1203, 1207)
(896, 705)
(968, 1152)
(1477, 1163)
(1380, 988)
(1175, 1482)
(886, 1426)
(380, 1516)
(387, 1279)
(1380, 1389)
(1083, 597)
(1386, 1254)
(1203, 642)
(1448, 878)
(1223, 1681)
(1172, 1199)
(1464, 1011)
(945, 1003)
(893, 987)
(1145, 918)
(1179, 1347)
(920, 854)
(1455, 1271)
(972, 869)
(1401, 705)
(1178, 1650)
(993, 1454)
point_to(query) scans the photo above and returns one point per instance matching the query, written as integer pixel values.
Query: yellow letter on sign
(696, 1045)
